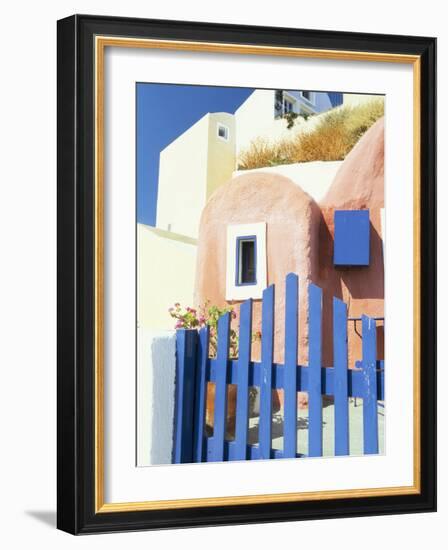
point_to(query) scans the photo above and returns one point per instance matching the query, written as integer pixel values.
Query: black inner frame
(76, 407)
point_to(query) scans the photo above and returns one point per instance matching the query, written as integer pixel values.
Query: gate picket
(340, 359)
(186, 344)
(315, 374)
(220, 415)
(267, 353)
(370, 408)
(201, 394)
(242, 397)
(290, 373)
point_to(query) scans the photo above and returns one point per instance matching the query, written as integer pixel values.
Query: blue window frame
(246, 261)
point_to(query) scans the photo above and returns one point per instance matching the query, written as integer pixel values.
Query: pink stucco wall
(359, 184)
(292, 225)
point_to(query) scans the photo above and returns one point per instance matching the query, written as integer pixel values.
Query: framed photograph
(246, 274)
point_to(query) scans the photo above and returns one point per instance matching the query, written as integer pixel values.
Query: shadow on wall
(362, 288)
(367, 283)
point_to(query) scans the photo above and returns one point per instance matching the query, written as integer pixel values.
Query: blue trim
(237, 259)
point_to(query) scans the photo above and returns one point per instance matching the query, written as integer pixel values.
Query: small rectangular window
(246, 265)
(246, 261)
(223, 132)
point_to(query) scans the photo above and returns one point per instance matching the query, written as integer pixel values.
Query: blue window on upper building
(309, 96)
(351, 238)
(246, 260)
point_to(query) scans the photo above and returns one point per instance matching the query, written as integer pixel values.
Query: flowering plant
(207, 315)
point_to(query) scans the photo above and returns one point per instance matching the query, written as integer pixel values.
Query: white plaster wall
(315, 178)
(192, 167)
(166, 265)
(221, 156)
(254, 117)
(183, 180)
(156, 372)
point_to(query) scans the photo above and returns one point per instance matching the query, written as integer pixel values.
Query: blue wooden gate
(194, 369)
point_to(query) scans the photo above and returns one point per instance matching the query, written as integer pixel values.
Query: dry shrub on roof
(331, 139)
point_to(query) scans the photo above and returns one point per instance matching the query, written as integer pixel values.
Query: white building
(191, 168)
(264, 115)
(205, 156)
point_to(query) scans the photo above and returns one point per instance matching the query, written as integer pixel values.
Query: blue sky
(164, 111)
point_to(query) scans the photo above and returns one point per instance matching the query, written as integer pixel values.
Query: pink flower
(179, 324)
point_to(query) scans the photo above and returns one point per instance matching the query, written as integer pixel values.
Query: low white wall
(166, 267)
(315, 178)
(156, 372)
